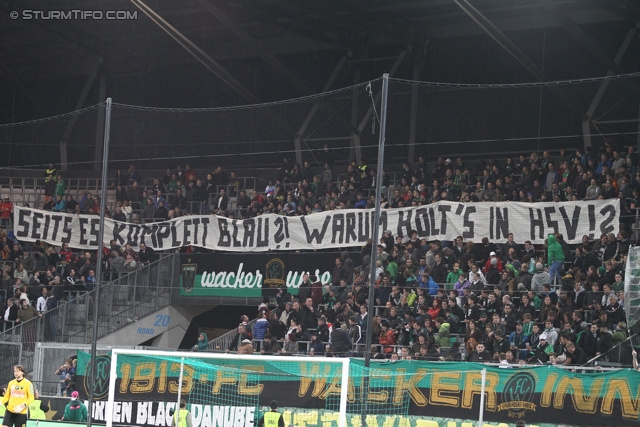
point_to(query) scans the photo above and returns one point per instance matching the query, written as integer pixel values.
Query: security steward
(182, 418)
(273, 418)
(38, 409)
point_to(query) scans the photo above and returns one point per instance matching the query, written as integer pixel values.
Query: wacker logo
(517, 395)
(274, 273)
(188, 276)
(101, 383)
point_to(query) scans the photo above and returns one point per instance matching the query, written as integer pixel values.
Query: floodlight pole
(96, 297)
(374, 246)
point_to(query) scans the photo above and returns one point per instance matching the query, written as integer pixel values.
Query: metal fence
(619, 355)
(48, 357)
(10, 354)
(222, 342)
(123, 300)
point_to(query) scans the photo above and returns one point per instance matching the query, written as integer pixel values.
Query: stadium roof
(58, 56)
(261, 50)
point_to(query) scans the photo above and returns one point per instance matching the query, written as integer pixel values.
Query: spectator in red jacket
(387, 336)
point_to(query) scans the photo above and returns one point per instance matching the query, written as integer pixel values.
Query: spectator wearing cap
(497, 263)
(543, 350)
(484, 319)
(245, 347)
(75, 410)
(272, 418)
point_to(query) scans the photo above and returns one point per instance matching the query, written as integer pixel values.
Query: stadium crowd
(510, 300)
(301, 190)
(458, 301)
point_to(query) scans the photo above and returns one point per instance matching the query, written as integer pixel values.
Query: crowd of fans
(303, 189)
(512, 301)
(37, 277)
(529, 303)
(459, 300)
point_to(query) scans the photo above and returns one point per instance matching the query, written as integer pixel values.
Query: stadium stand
(429, 304)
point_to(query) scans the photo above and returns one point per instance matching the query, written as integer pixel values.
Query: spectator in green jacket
(75, 410)
(555, 258)
(202, 344)
(620, 334)
(444, 338)
(60, 187)
(454, 274)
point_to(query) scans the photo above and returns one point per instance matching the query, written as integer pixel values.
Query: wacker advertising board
(244, 275)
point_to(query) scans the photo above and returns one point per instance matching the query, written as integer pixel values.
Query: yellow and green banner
(395, 393)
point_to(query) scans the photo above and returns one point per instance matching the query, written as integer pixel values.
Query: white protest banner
(332, 229)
